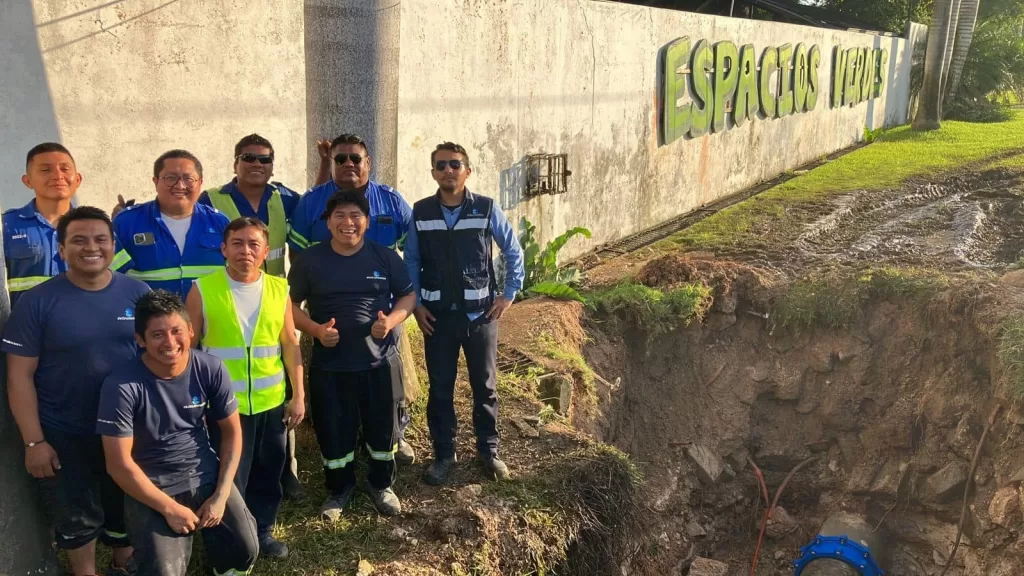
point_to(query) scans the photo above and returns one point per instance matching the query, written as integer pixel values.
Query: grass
(1011, 353)
(1015, 161)
(895, 156)
(835, 301)
(571, 360)
(650, 309)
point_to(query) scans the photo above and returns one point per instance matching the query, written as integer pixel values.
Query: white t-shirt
(247, 305)
(178, 228)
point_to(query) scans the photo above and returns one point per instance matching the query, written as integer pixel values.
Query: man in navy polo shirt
(388, 223)
(152, 416)
(64, 337)
(355, 375)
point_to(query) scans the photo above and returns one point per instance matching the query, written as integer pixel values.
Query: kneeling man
(151, 416)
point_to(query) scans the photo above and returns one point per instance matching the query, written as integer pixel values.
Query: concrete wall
(121, 81)
(507, 78)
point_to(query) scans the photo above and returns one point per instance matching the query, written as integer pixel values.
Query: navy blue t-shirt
(350, 289)
(79, 337)
(167, 419)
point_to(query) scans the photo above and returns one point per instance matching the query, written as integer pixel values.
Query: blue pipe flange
(838, 548)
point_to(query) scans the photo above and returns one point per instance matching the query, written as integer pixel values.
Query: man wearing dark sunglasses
(251, 194)
(448, 254)
(390, 217)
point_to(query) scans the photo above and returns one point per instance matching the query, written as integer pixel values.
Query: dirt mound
(729, 280)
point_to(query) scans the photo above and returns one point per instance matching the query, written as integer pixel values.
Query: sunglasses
(341, 158)
(251, 158)
(441, 164)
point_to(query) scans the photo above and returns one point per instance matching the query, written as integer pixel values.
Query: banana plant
(543, 276)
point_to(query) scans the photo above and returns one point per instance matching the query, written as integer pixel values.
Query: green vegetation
(836, 301)
(650, 309)
(1011, 352)
(1015, 161)
(896, 155)
(543, 276)
(571, 360)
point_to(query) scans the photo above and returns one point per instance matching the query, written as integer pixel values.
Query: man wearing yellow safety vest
(252, 194)
(169, 242)
(243, 316)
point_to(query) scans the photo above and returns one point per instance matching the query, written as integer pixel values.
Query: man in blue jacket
(169, 242)
(390, 217)
(448, 254)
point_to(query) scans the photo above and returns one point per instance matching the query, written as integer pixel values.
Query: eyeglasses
(355, 158)
(251, 158)
(172, 180)
(441, 164)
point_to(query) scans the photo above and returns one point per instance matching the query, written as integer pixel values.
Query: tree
(954, 20)
(929, 111)
(888, 15)
(966, 22)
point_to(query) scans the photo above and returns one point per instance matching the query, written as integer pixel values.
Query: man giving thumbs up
(355, 374)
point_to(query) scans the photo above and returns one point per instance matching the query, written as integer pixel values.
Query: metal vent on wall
(547, 174)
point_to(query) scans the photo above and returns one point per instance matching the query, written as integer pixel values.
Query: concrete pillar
(352, 77)
(23, 531)
(352, 63)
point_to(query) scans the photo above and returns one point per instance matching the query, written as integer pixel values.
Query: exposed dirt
(968, 221)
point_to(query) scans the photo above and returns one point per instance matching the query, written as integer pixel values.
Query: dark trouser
(479, 340)
(83, 502)
(159, 551)
(263, 457)
(339, 402)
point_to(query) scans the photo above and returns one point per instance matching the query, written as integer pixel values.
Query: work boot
(405, 455)
(129, 569)
(272, 548)
(385, 501)
(437, 472)
(494, 468)
(331, 509)
(292, 488)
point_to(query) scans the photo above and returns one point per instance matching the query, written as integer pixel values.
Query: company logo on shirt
(475, 212)
(18, 236)
(377, 276)
(197, 402)
(129, 315)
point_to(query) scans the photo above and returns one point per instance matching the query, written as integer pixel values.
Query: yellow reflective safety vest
(278, 224)
(257, 370)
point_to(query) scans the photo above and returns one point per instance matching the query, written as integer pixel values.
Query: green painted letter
(883, 65)
(769, 64)
(868, 79)
(745, 106)
(839, 76)
(850, 84)
(800, 78)
(675, 118)
(786, 85)
(813, 80)
(703, 91)
(726, 79)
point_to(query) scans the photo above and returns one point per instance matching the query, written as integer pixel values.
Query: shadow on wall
(512, 183)
(27, 115)
(897, 101)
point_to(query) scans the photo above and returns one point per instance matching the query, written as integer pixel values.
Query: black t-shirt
(167, 419)
(350, 289)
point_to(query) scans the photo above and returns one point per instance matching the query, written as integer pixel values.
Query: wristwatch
(32, 444)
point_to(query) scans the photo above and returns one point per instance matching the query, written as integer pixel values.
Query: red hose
(771, 509)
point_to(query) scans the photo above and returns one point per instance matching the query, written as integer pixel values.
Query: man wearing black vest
(448, 254)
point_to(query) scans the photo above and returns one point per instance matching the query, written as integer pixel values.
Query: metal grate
(512, 361)
(547, 174)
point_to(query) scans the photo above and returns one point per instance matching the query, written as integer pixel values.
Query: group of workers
(154, 365)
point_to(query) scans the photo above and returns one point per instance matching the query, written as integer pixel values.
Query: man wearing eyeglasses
(169, 242)
(390, 217)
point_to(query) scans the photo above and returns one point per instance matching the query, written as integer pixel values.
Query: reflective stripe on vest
(165, 274)
(278, 224)
(21, 284)
(257, 370)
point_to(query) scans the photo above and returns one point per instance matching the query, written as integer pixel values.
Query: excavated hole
(892, 408)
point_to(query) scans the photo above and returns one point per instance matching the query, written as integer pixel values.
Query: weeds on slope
(1011, 353)
(650, 309)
